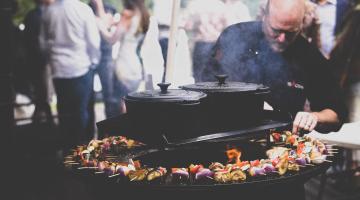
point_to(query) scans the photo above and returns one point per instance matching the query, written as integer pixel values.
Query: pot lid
(223, 86)
(166, 95)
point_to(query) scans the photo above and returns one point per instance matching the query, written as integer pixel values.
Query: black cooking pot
(166, 114)
(230, 105)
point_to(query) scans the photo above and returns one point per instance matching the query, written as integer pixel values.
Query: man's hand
(305, 121)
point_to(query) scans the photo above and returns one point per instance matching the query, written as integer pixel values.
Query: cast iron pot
(230, 105)
(166, 114)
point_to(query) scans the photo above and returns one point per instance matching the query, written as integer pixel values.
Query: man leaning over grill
(273, 52)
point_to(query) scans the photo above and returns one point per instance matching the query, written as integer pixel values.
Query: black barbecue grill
(197, 142)
(203, 152)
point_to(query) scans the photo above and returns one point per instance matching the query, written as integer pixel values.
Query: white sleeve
(92, 37)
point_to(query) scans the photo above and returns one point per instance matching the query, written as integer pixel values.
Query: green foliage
(24, 6)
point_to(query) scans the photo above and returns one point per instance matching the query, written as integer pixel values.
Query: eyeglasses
(289, 34)
(277, 32)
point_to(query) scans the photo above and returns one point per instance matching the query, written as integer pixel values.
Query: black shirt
(300, 72)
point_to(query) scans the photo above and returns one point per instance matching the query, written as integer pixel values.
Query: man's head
(283, 22)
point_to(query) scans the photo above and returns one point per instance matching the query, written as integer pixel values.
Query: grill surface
(201, 154)
(197, 151)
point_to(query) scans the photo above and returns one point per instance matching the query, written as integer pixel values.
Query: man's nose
(281, 37)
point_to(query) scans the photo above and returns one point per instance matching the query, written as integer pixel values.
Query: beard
(277, 46)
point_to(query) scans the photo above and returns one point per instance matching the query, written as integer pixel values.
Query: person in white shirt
(70, 38)
(331, 15)
(129, 33)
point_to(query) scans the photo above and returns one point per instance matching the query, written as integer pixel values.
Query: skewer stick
(324, 160)
(210, 177)
(133, 178)
(99, 172)
(72, 163)
(83, 167)
(87, 167)
(114, 175)
(279, 143)
(330, 144)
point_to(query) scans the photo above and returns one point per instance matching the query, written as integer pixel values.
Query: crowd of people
(312, 50)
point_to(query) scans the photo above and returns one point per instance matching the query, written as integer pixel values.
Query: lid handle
(164, 87)
(221, 78)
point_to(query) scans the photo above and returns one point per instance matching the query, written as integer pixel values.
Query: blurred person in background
(37, 62)
(105, 69)
(71, 41)
(236, 12)
(129, 32)
(345, 59)
(331, 18)
(205, 23)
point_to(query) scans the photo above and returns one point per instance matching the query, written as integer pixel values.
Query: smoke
(243, 53)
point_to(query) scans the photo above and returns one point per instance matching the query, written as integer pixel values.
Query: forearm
(328, 121)
(324, 121)
(111, 36)
(327, 116)
(99, 7)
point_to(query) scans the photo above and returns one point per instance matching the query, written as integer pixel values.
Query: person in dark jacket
(274, 53)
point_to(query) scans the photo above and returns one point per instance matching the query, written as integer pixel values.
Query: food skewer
(289, 155)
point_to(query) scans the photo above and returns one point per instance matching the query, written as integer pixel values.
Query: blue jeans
(105, 69)
(75, 104)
